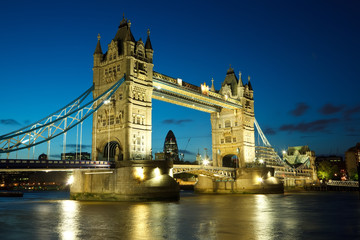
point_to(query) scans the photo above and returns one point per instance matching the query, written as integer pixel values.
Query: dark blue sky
(302, 56)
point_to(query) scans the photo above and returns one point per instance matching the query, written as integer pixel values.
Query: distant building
(75, 156)
(335, 161)
(171, 150)
(352, 159)
(302, 159)
(159, 156)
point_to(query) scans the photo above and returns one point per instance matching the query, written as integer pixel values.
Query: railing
(6, 164)
(217, 172)
(343, 183)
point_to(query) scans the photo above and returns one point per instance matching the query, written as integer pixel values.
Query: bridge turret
(98, 54)
(230, 84)
(122, 128)
(148, 47)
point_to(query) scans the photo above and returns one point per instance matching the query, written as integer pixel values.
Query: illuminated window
(111, 120)
(227, 123)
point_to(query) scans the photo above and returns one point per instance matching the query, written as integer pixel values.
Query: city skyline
(302, 59)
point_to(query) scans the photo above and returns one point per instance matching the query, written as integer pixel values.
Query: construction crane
(182, 155)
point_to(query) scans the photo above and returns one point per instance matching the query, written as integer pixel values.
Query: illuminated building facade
(233, 134)
(122, 127)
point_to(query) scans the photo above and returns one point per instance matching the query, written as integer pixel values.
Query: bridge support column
(248, 180)
(132, 181)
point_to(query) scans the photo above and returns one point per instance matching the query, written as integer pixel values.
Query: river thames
(309, 215)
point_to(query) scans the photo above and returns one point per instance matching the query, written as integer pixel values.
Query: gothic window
(219, 125)
(120, 96)
(104, 122)
(138, 120)
(234, 139)
(222, 140)
(236, 123)
(111, 120)
(142, 121)
(228, 139)
(106, 72)
(227, 123)
(118, 68)
(118, 119)
(134, 119)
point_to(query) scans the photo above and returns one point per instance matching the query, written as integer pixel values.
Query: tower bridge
(124, 85)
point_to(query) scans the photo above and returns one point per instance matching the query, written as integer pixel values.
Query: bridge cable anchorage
(267, 144)
(57, 123)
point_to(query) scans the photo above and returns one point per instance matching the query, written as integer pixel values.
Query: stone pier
(131, 181)
(248, 180)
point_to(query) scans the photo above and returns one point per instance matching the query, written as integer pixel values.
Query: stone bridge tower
(122, 127)
(233, 139)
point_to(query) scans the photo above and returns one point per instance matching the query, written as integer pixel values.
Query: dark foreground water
(49, 215)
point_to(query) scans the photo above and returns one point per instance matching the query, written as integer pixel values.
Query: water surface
(50, 215)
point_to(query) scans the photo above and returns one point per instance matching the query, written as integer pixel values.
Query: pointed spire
(148, 42)
(212, 85)
(249, 83)
(230, 70)
(240, 80)
(98, 46)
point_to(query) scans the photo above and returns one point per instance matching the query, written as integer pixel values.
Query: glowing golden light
(261, 161)
(139, 173)
(70, 180)
(206, 162)
(171, 172)
(259, 179)
(204, 89)
(157, 172)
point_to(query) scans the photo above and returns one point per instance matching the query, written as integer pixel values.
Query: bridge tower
(233, 139)
(122, 127)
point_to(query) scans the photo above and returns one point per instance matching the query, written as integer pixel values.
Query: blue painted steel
(53, 164)
(7, 138)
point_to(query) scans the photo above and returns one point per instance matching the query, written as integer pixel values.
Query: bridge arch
(230, 160)
(113, 151)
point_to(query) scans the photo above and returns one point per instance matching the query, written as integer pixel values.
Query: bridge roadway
(11, 165)
(214, 172)
(178, 92)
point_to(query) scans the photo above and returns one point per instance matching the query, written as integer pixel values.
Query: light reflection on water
(68, 216)
(258, 217)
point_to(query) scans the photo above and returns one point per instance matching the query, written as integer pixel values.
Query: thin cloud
(9, 122)
(348, 113)
(328, 109)
(269, 131)
(314, 126)
(300, 109)
(176, 122)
